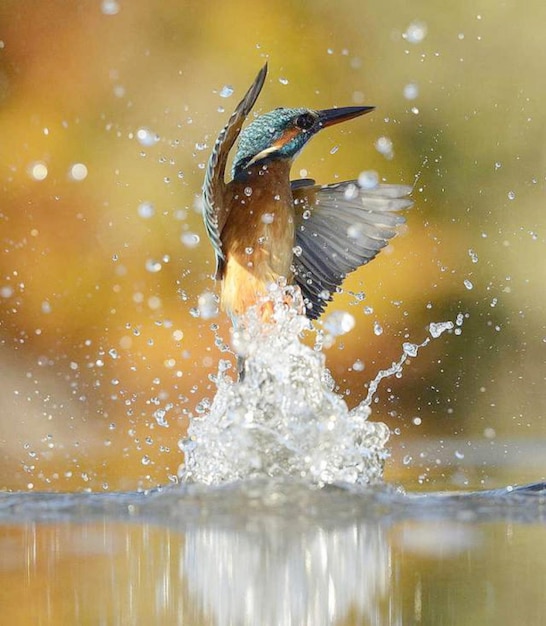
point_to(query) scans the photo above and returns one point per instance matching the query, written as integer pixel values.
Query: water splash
(284, 419)
(410, 350)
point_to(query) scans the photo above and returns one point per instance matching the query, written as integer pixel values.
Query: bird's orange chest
(259, 230)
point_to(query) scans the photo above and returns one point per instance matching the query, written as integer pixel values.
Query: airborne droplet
(146, 137)
(415, 32)
(226, 91)
(339, 323)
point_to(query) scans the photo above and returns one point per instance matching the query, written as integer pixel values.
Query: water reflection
(91, 573)
(274, 573)
(272, 553)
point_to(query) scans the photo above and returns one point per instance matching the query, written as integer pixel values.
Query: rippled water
(275, 553)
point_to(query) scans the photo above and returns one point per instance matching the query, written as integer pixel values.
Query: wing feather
(339, 228)
(215, 212)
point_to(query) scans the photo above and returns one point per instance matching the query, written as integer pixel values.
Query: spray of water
(284, 418)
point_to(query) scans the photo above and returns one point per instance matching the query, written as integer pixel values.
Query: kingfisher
(265, 228)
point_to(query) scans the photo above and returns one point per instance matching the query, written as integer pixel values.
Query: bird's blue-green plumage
(265, 131)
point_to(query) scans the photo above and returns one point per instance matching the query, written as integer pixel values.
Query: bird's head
(282, 133)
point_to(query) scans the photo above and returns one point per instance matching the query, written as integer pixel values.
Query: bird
(264, 227)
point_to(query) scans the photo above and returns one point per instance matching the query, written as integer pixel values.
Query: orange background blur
(100, 265)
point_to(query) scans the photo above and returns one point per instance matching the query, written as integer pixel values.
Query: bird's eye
(305, 121)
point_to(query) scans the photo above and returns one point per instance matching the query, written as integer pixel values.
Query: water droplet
(410, 349)
(207, 304)
(189, 239)
(351, 192)
(146, 210)
(248, 191)
(38, 170)
(283, 81)
(358, 96)
(46, 307)
(415, 32)
(154, 303)
(334, 149)
(146, 460)
(437, 328)
(226, 91)
(489, 433)
(384, 146)
(178, 335)
(159, 416)
(473, 255)
(339, 323)
(78, 172)
(468, 284)
(358, 366)
(377, 328)
(411, 91)
(358, 232)
(6, 291)
(153, 266)
(511, 195)
(267, 218)
(109, 7)
(146, 137)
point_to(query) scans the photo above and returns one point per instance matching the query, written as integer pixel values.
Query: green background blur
(96, 294)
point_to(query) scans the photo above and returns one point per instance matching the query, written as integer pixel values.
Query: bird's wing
(340, 227)
(215, 212)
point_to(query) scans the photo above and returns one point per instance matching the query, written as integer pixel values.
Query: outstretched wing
(339, 228)
(215, 213)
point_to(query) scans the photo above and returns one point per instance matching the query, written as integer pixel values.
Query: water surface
(274, 552)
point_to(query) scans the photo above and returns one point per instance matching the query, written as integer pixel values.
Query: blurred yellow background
(109, 110)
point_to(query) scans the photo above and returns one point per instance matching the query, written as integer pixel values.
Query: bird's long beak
(328, 117)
